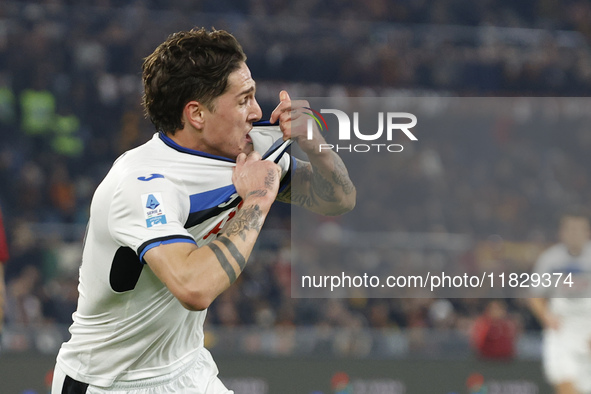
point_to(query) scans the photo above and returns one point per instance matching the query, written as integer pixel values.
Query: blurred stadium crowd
(70, 92)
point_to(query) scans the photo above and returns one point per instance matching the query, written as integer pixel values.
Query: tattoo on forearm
(285, 195)
(249, 218)
(323, 188)
(223, 262)
(233, 251)
(303, 200)
(304, 173)
(340, 176)
(309, 187)
(270, 179)
(257, 193)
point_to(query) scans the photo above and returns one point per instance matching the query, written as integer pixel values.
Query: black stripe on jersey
(125, 270)
(199, 217)
(72, 386)
(143, 246)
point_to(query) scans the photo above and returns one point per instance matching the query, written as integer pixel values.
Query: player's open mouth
(248, 139)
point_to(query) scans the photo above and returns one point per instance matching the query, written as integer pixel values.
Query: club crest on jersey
(153, 209)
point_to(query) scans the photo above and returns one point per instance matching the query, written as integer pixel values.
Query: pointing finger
(283, 96)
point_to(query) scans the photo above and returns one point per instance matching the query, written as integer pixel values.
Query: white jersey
(128, 325)
(568, 300)
(566, 352)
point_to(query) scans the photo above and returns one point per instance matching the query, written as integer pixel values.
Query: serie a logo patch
(153, 209)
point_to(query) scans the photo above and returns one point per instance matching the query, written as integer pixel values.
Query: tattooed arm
(323, 188)
(323, 184)
(196, 276)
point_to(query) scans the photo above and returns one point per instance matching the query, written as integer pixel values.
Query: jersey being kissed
(128, 325)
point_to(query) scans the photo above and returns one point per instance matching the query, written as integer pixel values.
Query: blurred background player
(564, 311)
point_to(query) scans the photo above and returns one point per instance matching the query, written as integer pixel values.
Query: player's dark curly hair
(189, 65)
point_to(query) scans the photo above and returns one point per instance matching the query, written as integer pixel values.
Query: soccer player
(173, 223)
(564, 311)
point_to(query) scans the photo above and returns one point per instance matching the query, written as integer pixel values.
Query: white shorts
(186, 380)
(567, 356)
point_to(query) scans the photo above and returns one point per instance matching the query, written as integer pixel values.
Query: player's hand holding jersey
(256, 179)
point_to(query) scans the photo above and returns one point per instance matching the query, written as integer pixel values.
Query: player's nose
(256, 113)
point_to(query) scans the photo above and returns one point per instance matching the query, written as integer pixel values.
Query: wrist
(313, 147)
(322, 158)
(260, 199)
(317, 154)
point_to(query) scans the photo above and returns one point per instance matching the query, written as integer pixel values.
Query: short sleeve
(147, 213)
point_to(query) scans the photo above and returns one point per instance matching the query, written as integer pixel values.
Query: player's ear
(193, 113)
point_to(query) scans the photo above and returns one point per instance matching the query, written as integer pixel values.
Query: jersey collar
(168, 141)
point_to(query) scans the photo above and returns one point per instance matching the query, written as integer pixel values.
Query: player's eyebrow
(246, 91)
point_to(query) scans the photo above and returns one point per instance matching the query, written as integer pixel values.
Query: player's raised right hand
(256, 178)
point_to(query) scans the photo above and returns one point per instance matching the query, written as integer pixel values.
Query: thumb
(241, 158)
(283, 96)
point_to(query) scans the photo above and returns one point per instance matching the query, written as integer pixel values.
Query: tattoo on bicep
(340, 176)
(227, 267)
(233, 251)
(246, 219)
